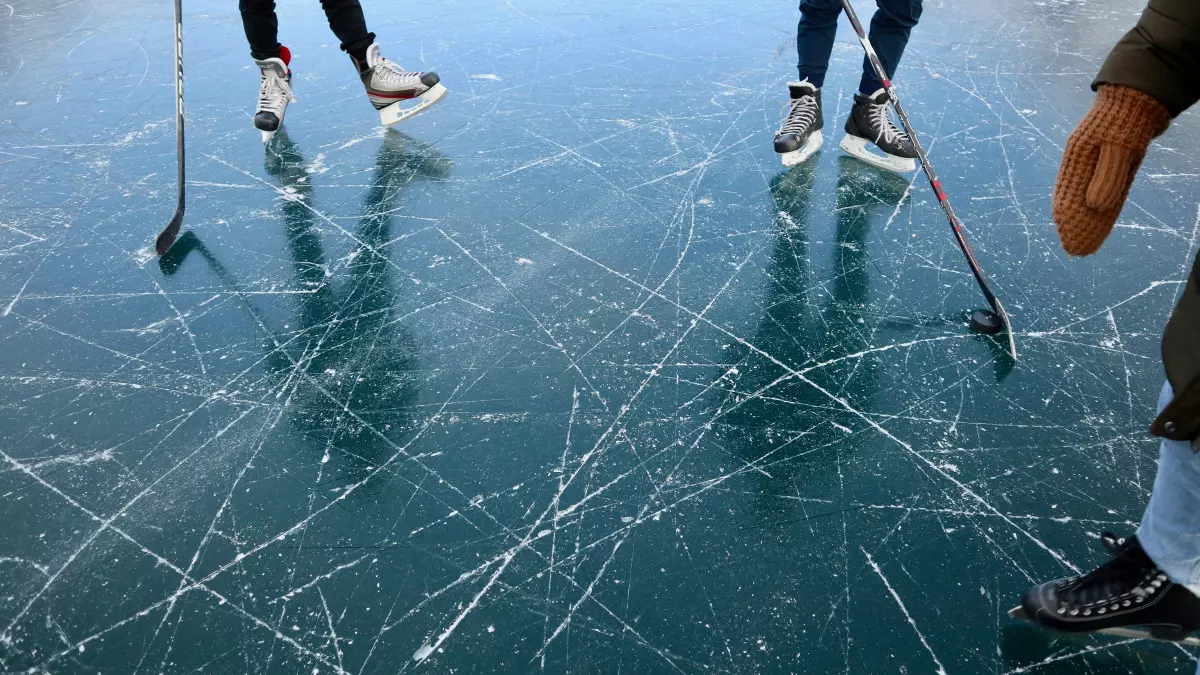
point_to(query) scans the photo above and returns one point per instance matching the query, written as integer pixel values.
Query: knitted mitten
(1098, 166)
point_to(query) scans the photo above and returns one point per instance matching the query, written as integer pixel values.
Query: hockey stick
(167, 236)
(985, 322)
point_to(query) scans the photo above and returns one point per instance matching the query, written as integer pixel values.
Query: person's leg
(348, 24)
(814, 38)
(890, 28)
(1170, 529)
(262, 28)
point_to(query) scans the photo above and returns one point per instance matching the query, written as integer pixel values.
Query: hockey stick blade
(1012, 343)
(164, 240)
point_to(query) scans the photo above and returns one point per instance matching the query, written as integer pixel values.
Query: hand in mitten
(1098, 166)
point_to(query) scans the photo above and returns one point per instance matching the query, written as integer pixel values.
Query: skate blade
(857, 147)
(790, 159)
(267, 136)
(396, 112)
(1018, 612)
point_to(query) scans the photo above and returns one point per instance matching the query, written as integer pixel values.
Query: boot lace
(392, 76)
(1128, 579)
(800, 114)
(888, 132)
(275, 93)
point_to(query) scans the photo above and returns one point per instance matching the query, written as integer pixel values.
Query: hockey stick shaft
(955, 223)
(167, 236)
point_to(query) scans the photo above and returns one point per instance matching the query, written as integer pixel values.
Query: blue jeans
(1170, 529)
(890, 27)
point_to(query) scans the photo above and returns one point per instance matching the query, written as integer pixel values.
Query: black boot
(1129, 590)
(868, 125)
(799, 134)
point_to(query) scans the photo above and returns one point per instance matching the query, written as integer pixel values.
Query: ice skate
(799, 134)
(868, 125)
(274, 94)
(1128, 596)
(392, 89)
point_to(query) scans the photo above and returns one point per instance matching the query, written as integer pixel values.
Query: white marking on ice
(143, 255)
(895, 596)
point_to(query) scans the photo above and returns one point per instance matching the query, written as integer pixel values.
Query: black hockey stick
(167, 236)
(979, 319)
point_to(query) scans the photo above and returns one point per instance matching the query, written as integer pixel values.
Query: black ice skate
(274, 94)
(869, 124)
(799, 134)
(1127, 596)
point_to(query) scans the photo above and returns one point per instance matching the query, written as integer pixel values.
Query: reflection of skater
(390, 88)
(799, 134)
(796, 329)
(350, 338)
(1154, 578)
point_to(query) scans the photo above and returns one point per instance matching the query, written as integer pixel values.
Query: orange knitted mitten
(1102, 157)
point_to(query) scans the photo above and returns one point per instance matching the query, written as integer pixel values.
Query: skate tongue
(373, 55)
(276, 66)
(801, 88)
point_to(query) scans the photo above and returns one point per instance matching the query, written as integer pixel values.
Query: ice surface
(568, 375)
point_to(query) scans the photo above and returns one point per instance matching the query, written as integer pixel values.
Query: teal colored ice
(566, 374)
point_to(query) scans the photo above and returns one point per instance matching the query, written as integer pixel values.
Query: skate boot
(392, 89)
(1127, 591)
(799, 134)
(274, 94)
(869, 124)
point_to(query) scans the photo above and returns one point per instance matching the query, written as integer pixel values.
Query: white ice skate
(274, 94)
(397, 93)
(869, 125)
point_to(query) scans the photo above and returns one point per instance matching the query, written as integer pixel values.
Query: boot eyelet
(1126, 603)
(1115, 606)
(1102, 610)
(1087, 612)
(1062, 610)
(1074, 612)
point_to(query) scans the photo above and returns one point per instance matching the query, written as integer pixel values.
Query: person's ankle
(359, 57)
(269, 54)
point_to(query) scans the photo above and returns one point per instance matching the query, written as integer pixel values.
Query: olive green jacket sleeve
(1160, 56)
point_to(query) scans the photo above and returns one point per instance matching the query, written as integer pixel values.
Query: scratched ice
(567, 375)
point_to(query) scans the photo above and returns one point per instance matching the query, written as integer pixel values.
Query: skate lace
(888, 132)
(275, 93)
(800, 114)
(1129, 577)
(391, 74)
